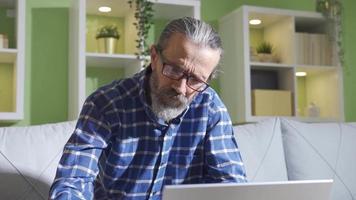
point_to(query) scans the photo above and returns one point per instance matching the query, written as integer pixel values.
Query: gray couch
(273, 150)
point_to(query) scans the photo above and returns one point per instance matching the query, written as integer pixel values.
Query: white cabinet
(254, 88)
(12, 57)
(83, 53)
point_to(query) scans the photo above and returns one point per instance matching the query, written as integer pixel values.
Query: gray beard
(166, 103)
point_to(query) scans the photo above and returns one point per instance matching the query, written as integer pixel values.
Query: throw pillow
(322, 151)
(261, 149)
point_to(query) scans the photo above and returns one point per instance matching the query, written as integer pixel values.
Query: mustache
(169, 92)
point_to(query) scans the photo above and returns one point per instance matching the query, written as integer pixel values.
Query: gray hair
(195, 30)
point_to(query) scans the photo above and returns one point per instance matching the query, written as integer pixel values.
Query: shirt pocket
(185, 168)
(122, 153)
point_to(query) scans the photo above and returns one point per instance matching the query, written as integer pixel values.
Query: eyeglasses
(177, 74)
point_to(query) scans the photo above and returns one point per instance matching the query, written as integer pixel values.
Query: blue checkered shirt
(121, 150)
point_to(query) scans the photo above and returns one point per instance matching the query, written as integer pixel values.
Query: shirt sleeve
(78, 166)
(223, 161)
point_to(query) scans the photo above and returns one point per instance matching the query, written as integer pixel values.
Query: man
(163, 126)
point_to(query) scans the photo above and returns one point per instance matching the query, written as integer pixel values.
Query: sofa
(276, 149)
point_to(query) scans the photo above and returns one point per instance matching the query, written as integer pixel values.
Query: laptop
(286, 190)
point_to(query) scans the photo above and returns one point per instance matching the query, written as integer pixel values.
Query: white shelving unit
(300, 44)
(82, 57)
(15, 57)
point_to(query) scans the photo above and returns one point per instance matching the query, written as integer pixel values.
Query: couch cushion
(262, 150)
(29, 157)
(322, 151)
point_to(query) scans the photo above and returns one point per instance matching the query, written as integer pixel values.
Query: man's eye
(194, 80)
(177, 70)
(173, 69)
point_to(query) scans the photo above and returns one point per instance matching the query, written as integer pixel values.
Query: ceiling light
(105, 9)
(255, 21)
(300, 73)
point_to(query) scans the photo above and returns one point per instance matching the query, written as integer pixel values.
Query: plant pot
(107, 45)
(265, 57)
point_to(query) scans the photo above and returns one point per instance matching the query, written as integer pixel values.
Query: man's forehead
(180, 46)
(183, 52)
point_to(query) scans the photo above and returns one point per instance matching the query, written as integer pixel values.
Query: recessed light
(104, 9)
(255, 21)
(300, 73)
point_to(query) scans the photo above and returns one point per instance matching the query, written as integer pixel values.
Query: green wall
(46, 61)
(349, 41)
(212, 10)
(49, 65)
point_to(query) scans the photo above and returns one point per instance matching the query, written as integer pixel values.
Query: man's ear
(154, 57)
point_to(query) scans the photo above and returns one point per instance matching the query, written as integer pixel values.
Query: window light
(300, 73)
(255, 21)
(104, 9)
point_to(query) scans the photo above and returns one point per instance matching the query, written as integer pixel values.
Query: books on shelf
(314, 49)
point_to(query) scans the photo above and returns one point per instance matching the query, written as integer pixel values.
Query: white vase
(265, 57)
(107, 45)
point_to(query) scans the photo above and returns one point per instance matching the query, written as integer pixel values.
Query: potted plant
(144, 19)
(264, 52)
(107, 37)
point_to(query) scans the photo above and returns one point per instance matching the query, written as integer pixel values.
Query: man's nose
(181, 85)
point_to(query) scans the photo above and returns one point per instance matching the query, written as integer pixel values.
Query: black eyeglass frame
(186, 75)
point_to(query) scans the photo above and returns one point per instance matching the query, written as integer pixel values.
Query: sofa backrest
(322, 151)
(272, 150)
(261, 149)
(284, 149)
(29, 157)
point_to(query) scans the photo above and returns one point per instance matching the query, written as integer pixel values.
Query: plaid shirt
(121, 150)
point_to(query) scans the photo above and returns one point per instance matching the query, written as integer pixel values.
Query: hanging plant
(144, 20)
(332, 11)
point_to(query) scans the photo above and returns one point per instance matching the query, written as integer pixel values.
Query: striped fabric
(120, 150)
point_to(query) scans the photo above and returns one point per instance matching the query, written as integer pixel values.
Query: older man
(163, 126)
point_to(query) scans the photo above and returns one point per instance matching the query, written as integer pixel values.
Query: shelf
(164, 9)
(10, 116)
(297, 37)
(119, 8)
(315, 24)
(267, 64)
(316, 67)
(272, 78)
(89, 69)
(12, 60)
(8, 55)
(111, 60)
(320, 86)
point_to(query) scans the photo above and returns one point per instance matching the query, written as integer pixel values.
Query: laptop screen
(286, 190)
